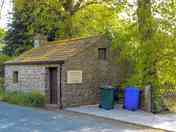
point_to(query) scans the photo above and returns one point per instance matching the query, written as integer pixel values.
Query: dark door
(53, 85)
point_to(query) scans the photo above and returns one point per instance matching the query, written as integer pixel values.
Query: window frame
(15, 77)
(102, 53)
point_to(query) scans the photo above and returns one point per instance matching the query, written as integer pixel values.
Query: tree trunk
(145, 19)
(68, 26)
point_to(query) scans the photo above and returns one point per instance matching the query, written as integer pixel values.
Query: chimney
(39, 39)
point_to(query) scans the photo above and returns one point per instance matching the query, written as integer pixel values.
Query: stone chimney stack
(39, 39)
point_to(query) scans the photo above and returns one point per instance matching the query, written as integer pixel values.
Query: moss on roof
(58, 50)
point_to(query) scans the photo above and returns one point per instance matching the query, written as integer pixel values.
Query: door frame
(53, 86)
(59, 84)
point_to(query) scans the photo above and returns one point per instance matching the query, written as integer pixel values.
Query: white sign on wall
(74, 77)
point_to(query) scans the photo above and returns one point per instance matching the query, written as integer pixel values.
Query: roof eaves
(35, 63)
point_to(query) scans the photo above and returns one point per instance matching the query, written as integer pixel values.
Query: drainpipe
(60, 96)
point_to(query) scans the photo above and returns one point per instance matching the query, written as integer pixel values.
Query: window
(102, 53)
(15, 77)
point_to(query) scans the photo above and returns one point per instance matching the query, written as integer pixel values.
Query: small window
(15, 77)
(102, 53)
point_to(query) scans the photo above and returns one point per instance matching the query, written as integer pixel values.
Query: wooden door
(53, 85)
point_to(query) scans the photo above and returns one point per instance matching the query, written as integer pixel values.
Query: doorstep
(159, 121)
(52, 107)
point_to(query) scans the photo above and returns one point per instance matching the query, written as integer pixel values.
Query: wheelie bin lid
(107, 87)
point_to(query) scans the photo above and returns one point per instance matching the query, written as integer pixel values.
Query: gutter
(35, 63)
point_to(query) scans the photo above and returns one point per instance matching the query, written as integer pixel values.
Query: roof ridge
(63, 41)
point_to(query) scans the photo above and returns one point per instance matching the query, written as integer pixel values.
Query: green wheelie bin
(107, 97)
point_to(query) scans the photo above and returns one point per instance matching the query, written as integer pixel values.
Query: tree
(94, 20)
(166, 12)
(152, 52)
(61, 11)
(18, 38)
(27, 20)
(145, 19)
(73, 6)
(55, 19)
(148, 44)
(1, 6)
(2, 35)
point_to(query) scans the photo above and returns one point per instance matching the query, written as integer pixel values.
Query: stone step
(52, 107)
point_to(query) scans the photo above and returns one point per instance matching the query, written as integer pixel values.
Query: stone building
(69, 72)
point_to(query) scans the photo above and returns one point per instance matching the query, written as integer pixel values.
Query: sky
(5, 16)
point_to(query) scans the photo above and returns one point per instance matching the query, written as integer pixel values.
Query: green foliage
(167, 12)
(3, 59)
(1, 94)
(18, 38)
(170, 103)
(94, 20)
(34, 98)
(152, 61)
(145, 19)
(57, 19)
(28, 18)
(2, 34)
(1, 82)
(151, 54)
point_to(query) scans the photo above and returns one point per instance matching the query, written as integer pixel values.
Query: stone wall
(31, 77)
(96, 72)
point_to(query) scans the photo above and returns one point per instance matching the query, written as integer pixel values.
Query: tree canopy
(148, 43)
(58, 19)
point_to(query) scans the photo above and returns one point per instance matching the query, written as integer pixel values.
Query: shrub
(1, 82)
(1, 94)
(3, 58)
(169, 102)
(34, 98)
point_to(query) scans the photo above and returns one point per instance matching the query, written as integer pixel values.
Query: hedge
(34, 98)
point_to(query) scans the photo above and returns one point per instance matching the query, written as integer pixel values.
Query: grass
(34, 98)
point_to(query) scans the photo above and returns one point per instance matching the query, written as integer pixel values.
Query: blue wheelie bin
(131, 98)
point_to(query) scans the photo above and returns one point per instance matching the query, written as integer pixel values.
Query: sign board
(74, 77)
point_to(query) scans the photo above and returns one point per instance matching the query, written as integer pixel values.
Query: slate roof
(55, 52)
